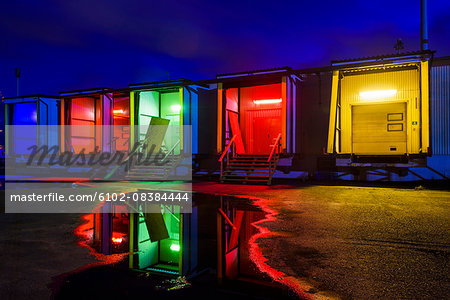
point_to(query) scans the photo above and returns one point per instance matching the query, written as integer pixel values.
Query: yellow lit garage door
(379, 128)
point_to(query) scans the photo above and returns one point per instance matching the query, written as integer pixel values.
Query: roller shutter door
(379, 129)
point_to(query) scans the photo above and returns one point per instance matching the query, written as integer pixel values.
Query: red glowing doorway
(256, 113)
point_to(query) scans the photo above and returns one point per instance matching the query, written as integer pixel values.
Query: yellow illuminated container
(380, 109)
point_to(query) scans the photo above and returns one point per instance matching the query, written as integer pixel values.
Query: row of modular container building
(373, 118)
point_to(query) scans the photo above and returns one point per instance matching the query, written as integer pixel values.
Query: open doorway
(22, 138)
(253, 114)
(159, 241)
(121, 121)
(84, 113)
(164, 105)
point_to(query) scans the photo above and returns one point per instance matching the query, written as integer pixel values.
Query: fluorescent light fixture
(117, 240)
(118, 111)
(176, 108)
(371, 95)
(175, 247)
(267, 101)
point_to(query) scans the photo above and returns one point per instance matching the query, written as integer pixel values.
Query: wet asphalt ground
(362, 242)
(35, 248)
(336, 241)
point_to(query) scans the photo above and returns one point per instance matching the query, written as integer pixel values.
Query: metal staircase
(248, 168)
(159, 169)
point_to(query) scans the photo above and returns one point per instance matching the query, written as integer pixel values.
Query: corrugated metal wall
(406, 82)
(440, 110)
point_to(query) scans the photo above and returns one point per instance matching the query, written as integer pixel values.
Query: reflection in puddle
(215, 244)
(88, 237)
(234, 233)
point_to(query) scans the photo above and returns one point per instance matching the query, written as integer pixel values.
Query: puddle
(214, 250)
(85, 234)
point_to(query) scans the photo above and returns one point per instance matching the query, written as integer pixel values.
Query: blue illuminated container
(29, 110)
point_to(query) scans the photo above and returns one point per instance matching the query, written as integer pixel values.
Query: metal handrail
(227, 147)
(171, 150)
(226, 151)
(140, 145)
(275, 145)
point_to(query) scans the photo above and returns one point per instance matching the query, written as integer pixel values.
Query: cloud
(111, 42)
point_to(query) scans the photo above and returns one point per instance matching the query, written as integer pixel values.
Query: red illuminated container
(256, 122)
(91, 107)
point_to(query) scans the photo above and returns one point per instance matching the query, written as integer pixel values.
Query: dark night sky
(63, 45)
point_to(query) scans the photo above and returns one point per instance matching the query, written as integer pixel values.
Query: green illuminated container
(165, 244)
(173, 100)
